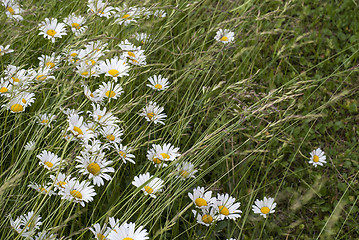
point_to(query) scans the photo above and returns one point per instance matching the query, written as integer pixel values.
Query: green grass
(247, 114)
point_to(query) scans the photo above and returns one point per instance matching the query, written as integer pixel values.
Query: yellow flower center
(126, 16)
(265, 210)
(15, 79)
(24, 100)
(223, 210)
(207, 218)
(43, 190)
(50, 64)
(200, 202)
(110, 137)
(92, 95)
(61, 184)
(78, 130)
(158, 86)
(184, 173)
(150, 115)
(114, 72)
(73, 54)
(11, 10)
(76, 194)
(156, 160)
(41, 77)
(148, 189)
(131, 54)
(17, 108)
(99, 117)
(315, 158)
(76, 25)
(51, 32)
(94, 168)
(100, 236)
(165, 155)
(134, 60)
(110, 94)
(224, 39)
(122, 153)
(127, 238)
(49, 164)
(85, 73)
(3, 90)
(45, 121)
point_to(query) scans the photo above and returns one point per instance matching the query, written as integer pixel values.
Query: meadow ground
(245, 115)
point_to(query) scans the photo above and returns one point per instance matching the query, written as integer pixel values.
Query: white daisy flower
(114, 68)
(112, 133)
(127, 231)
(87, 71)
(20, 102)
(26, 98)
(17, 76)
(49, 160)
(158, 83)
(45, 236)
(60, 180)
(49, 61)
(31, 220)
(19, 226)
(227, 208)
(201, 198)
(78, 128)
(100, 8)
(185, 170)
(124, 153)
(5, 49)
(79, 192)
(95, 166)
(30, 146)
(152, 185)
(264, 207)
(207, 217)
(101, 116)
(51, 29)
(43, 74)
(76, 23)
(46, 119)
(95, 146)
(89, 56)
(109, 90)
(134, 54)
(224, 36)
(13, 9)
(167, 152)
(160, 13)
(100, 233)
(126, 15)
(142, 37)
(154, 157)
(317, 157)
(96, 47)
(153, 113)
(5, 87)
(92, 96)
(114, 222)
(43, 189)
(70, 111)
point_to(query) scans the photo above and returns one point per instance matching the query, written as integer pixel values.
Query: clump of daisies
(159, 155)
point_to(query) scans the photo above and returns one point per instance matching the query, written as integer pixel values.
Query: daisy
(70, 111)
(79, 192)
(89, 56)
(100, 233)
(44, 73)
(46, 119)
(5, 49)
(78, 128)
(207, 217)
(126, 15)
(20, 102)
(201, 198)
(317, 157)
(127, 231)
(95, 166)
(31, 220)
(167, 152)
(134, 54)
(224, 36)
(226, 207)
(13, 9)
(26, 98)
(101, 116)
(17, 76)
(153, 113)
(112, 134)
(30, 146)
(114, 68)
(96, 47)
(264, 207)
(76, 23)
(114, 222)
(49, 160)
(160, 13)
(49, 61)
(87, 71)
(142, 37)
(94, 146)
(51, 29)
(185, 170)
(43, 189)
(151, 187)
(20, 228)
(155, 158)
(158, 83)
(124, 153)
(45, 236)
(60, 180)
(92, 96)
(109, 90)
(100, 8)
(5, 87)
